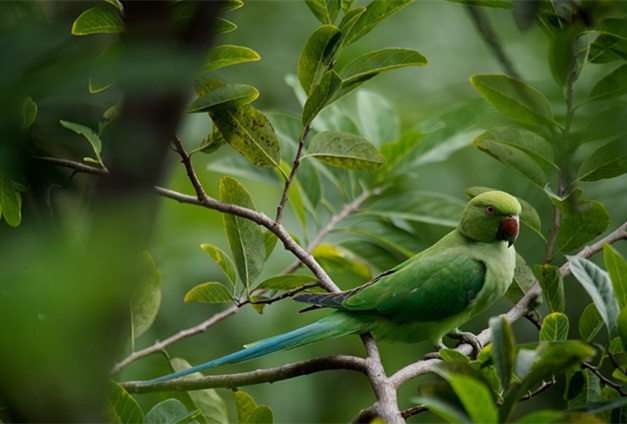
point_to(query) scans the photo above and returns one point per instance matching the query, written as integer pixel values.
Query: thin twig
(76, 166)
(348, 209)
(290, 178)
(161, 345)
(490, 37)
(414, 411)
(286, 294)
(189, 168)
(606, 381)
(270, 375)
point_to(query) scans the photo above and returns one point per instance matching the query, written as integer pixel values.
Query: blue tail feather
(328, 327)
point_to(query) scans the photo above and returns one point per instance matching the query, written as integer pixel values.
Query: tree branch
(491, 39)
(76, 166)
(161, 345)
(290, 178)
(271, 375)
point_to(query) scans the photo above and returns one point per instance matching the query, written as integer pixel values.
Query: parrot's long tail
(332, 326)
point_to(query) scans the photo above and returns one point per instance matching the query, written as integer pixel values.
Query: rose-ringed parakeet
(422, 299)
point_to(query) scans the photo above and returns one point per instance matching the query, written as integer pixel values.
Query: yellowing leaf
(209, 293)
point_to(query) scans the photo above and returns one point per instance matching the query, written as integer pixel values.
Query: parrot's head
(490, 217)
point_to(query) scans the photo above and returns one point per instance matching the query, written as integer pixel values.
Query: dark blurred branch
(492, 40)
(271, 375)
(76, 166)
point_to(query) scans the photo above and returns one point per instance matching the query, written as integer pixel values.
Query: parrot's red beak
(508, 230)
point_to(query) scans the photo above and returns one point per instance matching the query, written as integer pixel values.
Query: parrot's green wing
(427, 288)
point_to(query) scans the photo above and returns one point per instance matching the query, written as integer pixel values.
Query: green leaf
(347, 5)
(377, 62)
(427, 207)
(29, 113)
(582, 220)
(559, 417)
(443, 409)
(316, 56)
(209, 293)
(612, 85)
(609, 161)
(10, 201)
(319, 10)
(170, 411)
(223, 260)
(104, 72)
(345, 150)
(514, 99)
(261, 415)
(244, 236)
(227, 55)
(490, 4)
(617, 269)
(222, 26)
(377, 120)
(451, 355)
(622, 325)
(286, 282)
(229, 5)
(98, 20)
(471, 389)
(89, 134)
(502, 350)
(514, 158)
(227, 96)
(336, 257)
(116, 3)
(321, 95)
(368, 65)
(122, 407)
(376, 11)
(269, 239)
(249, 132)
(211, 404)
(597, 283)
(147, 297)
(583, 388)
(552, 285)
(554, 327)
(530, 143)
(590, 322)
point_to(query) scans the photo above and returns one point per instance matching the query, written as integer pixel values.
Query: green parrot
(422, 299)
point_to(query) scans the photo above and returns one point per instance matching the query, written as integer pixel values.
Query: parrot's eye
(490, 210)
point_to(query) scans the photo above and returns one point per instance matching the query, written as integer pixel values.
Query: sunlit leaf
(122, 407)
(211, 292)
(318, 52)
(98, 20)
(244, 236)
(170, 411)
(222, 26)
(223, 260)
(552, 284)
(514, 99)
(227, 55)
(249, 132)
(597, 283)
(559, 417)
(333, 256)
(554, 327)
(345, 150)
(319, 10)
(228, 96)
(590, 322)
(248, 412)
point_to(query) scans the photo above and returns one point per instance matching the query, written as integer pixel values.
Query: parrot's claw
(435, 355)
(471, 339)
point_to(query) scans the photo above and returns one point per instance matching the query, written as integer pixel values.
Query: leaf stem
(290, 178)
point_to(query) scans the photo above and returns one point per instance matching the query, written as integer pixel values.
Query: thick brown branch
(271, 375)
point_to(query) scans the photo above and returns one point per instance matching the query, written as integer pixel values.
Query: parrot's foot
(471, 339)
(435, 355)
